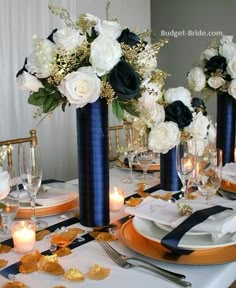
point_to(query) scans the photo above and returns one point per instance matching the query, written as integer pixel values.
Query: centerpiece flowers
(216, 75)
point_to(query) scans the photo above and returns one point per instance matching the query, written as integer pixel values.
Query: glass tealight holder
(23, 234)
(117, 196)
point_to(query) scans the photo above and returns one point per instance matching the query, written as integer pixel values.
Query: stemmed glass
(30, 167)
(185, 163)
(9, 205)
(145, 158)
(208, 174)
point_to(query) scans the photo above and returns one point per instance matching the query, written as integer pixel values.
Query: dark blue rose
(50, 37)
(199, 105)
(128, 38)
(178, 113)
(124, 81)
(216, 62)
(22, 69)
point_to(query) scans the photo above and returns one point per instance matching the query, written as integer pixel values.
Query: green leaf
(117, 110)
(130, 107)
(2, 205)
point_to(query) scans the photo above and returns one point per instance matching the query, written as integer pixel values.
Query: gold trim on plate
(155, 250)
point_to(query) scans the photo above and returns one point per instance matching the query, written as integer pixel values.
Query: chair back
(32, 139)
(118, 136)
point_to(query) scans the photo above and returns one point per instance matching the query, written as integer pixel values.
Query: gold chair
(118, 136)
(32, 139)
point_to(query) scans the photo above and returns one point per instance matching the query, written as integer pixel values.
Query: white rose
(228, 51)
(110, 28)
(198, 128)
(105, 54)
(4, 184)
(209, 52)
(156, 115)
(226, 39)
(215, 82)
(81, 87)
(231, 67)
(68, 38)
(41, 58)
(28, 82)
(180, 93)
(232, 88)
(211, 134)
(164, 137)
(196, 79)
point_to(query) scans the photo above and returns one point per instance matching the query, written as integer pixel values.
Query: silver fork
(122, 261)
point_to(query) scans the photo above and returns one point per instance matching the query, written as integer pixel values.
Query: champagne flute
(30, 167)
(9, 205)
(209, 172)
(185, 163)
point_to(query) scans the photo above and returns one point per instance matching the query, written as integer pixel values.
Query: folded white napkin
(4, 184)
(229, 172)
(166, 213)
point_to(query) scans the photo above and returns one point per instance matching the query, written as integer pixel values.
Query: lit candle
(234, 154)
(116, 199)
(188, 165)
(23, 234)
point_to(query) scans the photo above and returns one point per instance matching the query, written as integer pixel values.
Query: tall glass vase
(226, 116)
(93, 163)
(168, 174)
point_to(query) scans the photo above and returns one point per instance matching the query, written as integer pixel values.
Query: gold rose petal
(47, 258)
(41, 234)
(14, 285)
(63, 251)
(53, 268)
(3, 263)
(65, 238)
(28, 267)
(32, 257)
(106, 236)
(97, 272)
(74, 275)
(58, 287)
(167, 196)
(133, 201)
(4, 248)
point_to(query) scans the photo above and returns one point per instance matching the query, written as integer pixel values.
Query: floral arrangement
(92, 58)
(217, 69)
(88, 59)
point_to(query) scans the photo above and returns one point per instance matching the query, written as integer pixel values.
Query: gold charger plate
(155, 250)
(137, 167)
(228, 186)
(43, 211)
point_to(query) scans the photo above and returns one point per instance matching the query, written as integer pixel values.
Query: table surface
(88, 254)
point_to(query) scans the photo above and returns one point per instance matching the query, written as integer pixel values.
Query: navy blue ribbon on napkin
(171, 240)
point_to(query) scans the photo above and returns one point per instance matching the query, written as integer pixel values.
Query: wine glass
(208, 174)
(185, 163)
(145, 158)
(9, 205)
(30, 167)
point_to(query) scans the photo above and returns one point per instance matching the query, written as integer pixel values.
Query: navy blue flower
(128, 38)
(124, 81)
(216, 62)
(178, 113)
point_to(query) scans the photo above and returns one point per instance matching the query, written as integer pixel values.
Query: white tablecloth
(212, 276)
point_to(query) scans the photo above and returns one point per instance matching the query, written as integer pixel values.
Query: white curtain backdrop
(19, 20)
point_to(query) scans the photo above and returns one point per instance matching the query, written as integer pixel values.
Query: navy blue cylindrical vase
(93, 163)
(169, 178)
(225, 139)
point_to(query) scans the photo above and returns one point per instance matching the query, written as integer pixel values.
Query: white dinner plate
(168, 229)
(149, 230)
